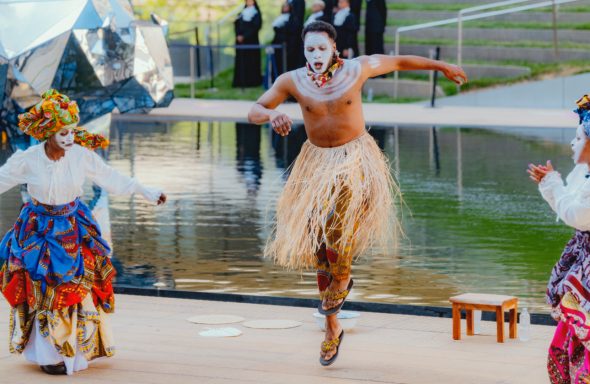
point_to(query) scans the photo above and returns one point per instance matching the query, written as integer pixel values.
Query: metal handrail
(194, 48)
(477, 8)
(224, 19)
(234, 11)
(521, 8)
(461, 18)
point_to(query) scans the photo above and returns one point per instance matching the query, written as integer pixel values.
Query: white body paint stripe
(342, 81)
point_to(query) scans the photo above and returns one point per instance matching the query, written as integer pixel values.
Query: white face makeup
(318, 51)
(578, 143)
(65, 138)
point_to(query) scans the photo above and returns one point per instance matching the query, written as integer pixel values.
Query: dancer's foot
(58, 369)
(329, 347)
(336, 293)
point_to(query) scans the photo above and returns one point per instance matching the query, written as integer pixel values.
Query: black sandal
(57, 369)
(334, 296)
(328, 346)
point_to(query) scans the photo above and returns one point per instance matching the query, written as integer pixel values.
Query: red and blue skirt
(56, 275)
(568, 293)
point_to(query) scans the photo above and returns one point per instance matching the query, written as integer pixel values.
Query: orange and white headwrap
(54, 112)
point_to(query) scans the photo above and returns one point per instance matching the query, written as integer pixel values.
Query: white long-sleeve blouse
(57, 182)
(571, 201)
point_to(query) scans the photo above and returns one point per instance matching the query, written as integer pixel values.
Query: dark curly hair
(319, 26)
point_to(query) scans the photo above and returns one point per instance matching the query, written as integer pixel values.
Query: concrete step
(477, 71)
(537, 17)
(500, 34)
(414, 89)
(495, 54)
(468, 2)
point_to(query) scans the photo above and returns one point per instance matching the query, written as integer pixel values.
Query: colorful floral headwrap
(54, 112)
(583, 111)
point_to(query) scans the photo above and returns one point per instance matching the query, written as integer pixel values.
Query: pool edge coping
(361, 306)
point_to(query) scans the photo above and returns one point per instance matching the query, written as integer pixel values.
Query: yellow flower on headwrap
(584, 102)
(54, 112)
(583, 111)
(48, 116)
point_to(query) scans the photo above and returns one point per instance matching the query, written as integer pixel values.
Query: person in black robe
(345, 24)
(355, 9)
(248, 155)
(329, 10)
(285, 30)
(375, 22)
(247, 72)
(295, 57)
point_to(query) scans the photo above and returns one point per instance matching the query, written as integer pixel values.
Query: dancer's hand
(240, 39)
(162, 199)
(281, 123)
(455, 74)
(538, 172)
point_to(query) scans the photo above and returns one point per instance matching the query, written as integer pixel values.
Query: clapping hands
(538, 172)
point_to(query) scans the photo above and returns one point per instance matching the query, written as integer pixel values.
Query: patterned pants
(334, 258)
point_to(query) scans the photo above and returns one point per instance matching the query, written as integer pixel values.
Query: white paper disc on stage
(221, 332)
(272, 324)
(215, 319)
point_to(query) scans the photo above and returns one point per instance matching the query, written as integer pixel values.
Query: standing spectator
(247, 63)
(285, 30)
(375, 22)
(329, 6)
(295, 57)
(355, 9)
(346, 27)
(317, 13)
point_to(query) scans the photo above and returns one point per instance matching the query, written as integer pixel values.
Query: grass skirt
(354, 177)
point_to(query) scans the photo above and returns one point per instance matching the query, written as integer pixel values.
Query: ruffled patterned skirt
(57, 277)
(568, 292)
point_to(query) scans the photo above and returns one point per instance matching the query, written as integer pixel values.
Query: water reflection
(476, 222)
(248, 155)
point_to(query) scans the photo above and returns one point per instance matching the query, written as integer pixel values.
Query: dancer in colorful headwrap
(568, 291)
(55, 268)
(337, 201)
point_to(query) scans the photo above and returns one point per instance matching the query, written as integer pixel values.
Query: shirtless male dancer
(338, 199)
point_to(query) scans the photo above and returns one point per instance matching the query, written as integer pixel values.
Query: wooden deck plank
(156, 344)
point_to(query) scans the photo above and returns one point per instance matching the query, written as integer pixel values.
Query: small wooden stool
(483, 302)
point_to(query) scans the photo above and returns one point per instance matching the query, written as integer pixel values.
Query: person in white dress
(568, 291)
(56, 272)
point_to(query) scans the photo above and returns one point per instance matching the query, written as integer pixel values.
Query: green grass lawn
(223, 89)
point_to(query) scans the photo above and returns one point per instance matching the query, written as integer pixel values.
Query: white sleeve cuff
(550, 181)
(150, 194)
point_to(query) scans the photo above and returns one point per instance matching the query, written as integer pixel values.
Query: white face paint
(578, 143)
(65, 137)
(318, 51)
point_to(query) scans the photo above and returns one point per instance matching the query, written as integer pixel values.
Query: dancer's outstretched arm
(377, 65)
(263, 110)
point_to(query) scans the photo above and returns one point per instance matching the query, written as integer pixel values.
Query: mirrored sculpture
(92, 50)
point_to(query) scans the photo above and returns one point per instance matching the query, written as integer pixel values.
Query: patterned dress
(55, 270)
(568, 291)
